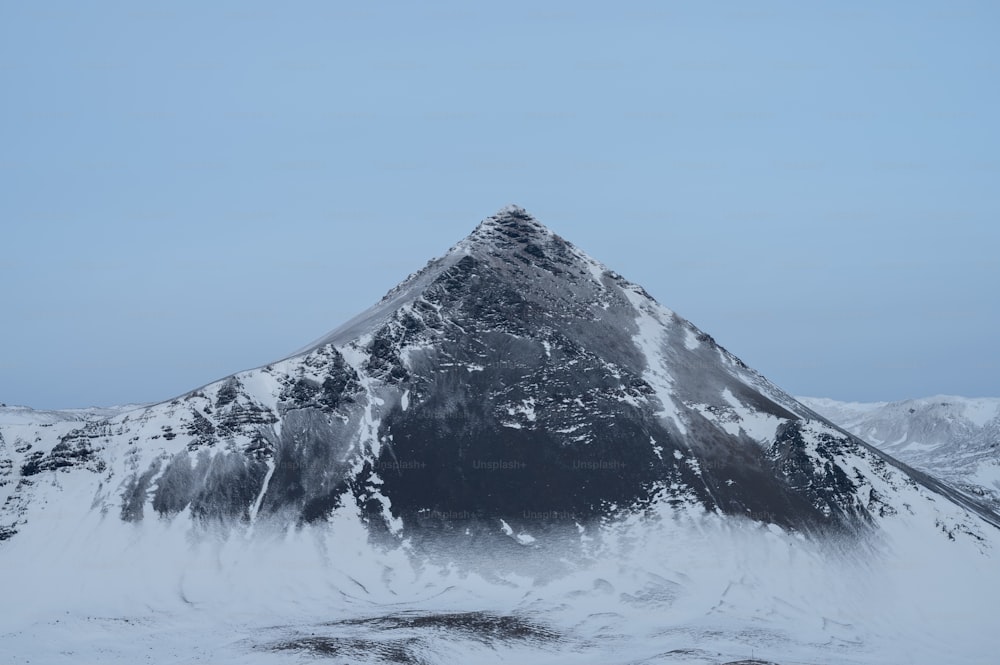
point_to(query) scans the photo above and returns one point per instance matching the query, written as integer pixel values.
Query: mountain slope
(514, 381)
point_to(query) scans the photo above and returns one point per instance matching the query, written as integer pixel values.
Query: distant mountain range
(954, 438)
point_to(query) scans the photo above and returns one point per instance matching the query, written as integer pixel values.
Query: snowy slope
(954, 438)
(24, 431)
(516, 455)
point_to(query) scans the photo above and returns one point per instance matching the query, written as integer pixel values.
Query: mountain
(515, 376)
(515, 454)
(954, 438)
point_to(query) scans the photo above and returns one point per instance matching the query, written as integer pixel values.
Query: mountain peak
(513, 214)
(512, 227)
(512, 209)
(511, 237)
(514, 380)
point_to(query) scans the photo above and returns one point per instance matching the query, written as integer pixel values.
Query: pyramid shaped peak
(514, 216)
(510, 227)
(512, 209)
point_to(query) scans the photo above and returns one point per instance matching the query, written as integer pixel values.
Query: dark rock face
(337, 383)
(826, 485)
(531, 400)
(77, 449)
(402, 638)
(135, 496)
(228, 487)
(201, 430)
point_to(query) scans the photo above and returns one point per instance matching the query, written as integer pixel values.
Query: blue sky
(188, 191)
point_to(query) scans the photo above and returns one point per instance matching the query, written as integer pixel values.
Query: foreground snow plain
(672, 586)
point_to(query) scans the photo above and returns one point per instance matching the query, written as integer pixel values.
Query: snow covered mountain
(514, 431)
(954, 438)
(513, 377)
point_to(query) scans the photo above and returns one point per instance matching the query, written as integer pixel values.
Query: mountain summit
(511, 384)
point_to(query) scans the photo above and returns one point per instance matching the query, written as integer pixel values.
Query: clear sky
(189, 189)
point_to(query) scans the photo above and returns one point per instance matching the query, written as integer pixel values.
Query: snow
(757, 425)
(357, 358)
(650, 319)
(642, 586)
(978, 411)
(987, 474)
(736, 417)
(526, 408)
(596, 269)
(690, 340)
(657, 448)
(23, 415)
(263, 490)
